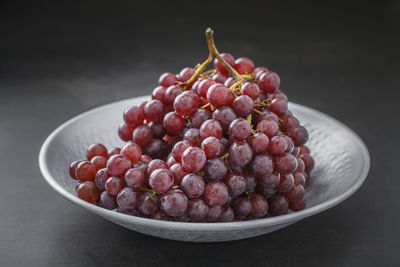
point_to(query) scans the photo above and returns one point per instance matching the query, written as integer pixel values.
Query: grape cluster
(210, 146)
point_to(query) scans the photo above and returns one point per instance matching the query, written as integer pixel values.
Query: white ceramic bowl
(342, 164)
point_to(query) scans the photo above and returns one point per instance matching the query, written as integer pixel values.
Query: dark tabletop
(60, 58)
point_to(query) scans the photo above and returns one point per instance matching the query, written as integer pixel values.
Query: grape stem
(153, 193)
(198, 71)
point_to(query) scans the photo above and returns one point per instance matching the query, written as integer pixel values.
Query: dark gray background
(60, 58)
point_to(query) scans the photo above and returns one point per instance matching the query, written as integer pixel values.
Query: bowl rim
(196, 226)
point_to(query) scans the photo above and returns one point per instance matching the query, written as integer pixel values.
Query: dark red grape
(211, 128)
(161, 180)
(125, 132)
(299, 178)
(135, 178)
(88, 192)
(259, 206)
(157, 129)
(147, 203)
(203, 87)
(127, 198)
(179, 148)
(193, 185)
(178, 172)
(159, 94)
(215, 169)
(266, 192)
(187, 103)
(85, 171)
(299, 205)
(197, 210)
(244, 65)
(270, 180)
(107, 201)
(213, 214)
(260, 69)
(308, 162)
(242, 207)
(286, 183)
(199, 117)
(227, 214)
(101, 178)
(295, 194)
(239, 129)
(173, 123)
(228, 58)
(268, 127)
(278, 205)
(114, 151)
(300, 165)
(133, 116)
(172, 92)
(156, 164)
(298, 134)
(240, 154)
(193, 159)
(132, 152)
(259, 143)
(224, 115)
(212, 147)
(99, 162)
(218, 96)
(193, 136)
(286, 163)
(243, 105)
(219, 78)
(277, 145)
(185, 74)
(156, 149)
(269, 82)
(167, 79)
(72, 169)
(304, 150)
(216, 193)
(96, 150)
(251, 89)
(142, 135)
(174, 203)
(279, 106)
(154, 110)
(235, 183)
(113, 185)
(262, 165)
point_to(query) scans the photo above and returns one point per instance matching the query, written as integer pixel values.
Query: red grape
(154, 110)
(218, 96)
(269, 82)
(211, 128)
(262, 165)
(101, 178)
(215, 169)
(224, 115)
(135, 178)
(212, 147)
(178, 172)
(286, 163)
(193, 159)
(244, 65)
(142, 135)
(179, 148)
(251, 89)
(268, 127)
(193, 136)
(259, 143)
(96, 150)
(285, 183)
(270, 180)
(242, 207)
(235, 183)
(127, 198)
(213, 213)
(298, 134)
(114, 151)
(107, 201)
(173, 123)
(156, 164)
(239, 129)
(174, 203)
(185, 74)
(99, 162)
(199, 117)
(277, 145)
(197, 209)
(125, 132)
(85, 171)
(203, 87)
(227, 214)
(228, 59)
(72, 169)
(216, 193)
(259, 206)
(161, 180)
(133, 116)
(148, 204)
(167, 79)
(240, 154)
(172, 92)
(159, 94)
(308, 162)
(278, 205)
(113, 185)
(88, 192)
(186, 104)
(279, 106)
(193, 185)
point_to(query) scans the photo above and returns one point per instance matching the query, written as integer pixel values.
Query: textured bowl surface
(342, 164)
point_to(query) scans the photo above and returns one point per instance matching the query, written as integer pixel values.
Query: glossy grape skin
(161, 180)
(135, 178)
(227, 214)
(187, 103)
(133, 116)
(295, 194)
(179, 148)
(96, 150)
(174, 203)
(299, 205)
(125, 132)
(308, 163)
(290, 144)
(160, 215)
(259, 143)
(243, 105)
(269, 82)
(228, 59)
(113, 185)
(199, 117)
(197, 210)
(290, 121)
(244, 65)
(88, 192)
(132, 152)
(156, 149)
(278, 205)
(99, 162)
(167, 79)
(85, 171)
(268, 127)
(242, 207)
(286, 163)
(178, 172)
(304, 150)
(262, 165)
(269, 180)
(195, 85)
(213, 213)
(295, 151)
(251, 89)
(299, 178)
(211, 128)
(229, 82)
(218, 96)
(268, 115)
(224, 115)
(239, 129)
(219, 78)
(107, 201)
(277, 145)
(156, 164)
(203, 87)
(193, 159)
(173, 123)
(72, 169)
(171, 93)
(159, 94)
(148, 204)
(114, 151)
(154, 110)
(240, 154)
(101, 178)
(212, 147)
(193, 136)
(193, 185)
(142, 135)
(185, 74)
(215, 169)
(216, 193)
(298, 134)
(127, 198)
(286, 183)
(236, 184)
(300, 165)
(259, 206)
(279, 106)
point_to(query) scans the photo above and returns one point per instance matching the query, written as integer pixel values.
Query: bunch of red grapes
(211, 146)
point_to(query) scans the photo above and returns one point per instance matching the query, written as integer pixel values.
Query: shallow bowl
(342, 164)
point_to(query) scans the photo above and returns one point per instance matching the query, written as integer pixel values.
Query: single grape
(290, 144)
(161, 180)
(268, 115)
(290, 121)
(173, 123)
(212, 147)
(268, 127)
(193, 185)
(147, 203)
(215, 169)
(171, 93)
(299, 205)
(199, 117)
(145, 158)
(156, 164)
(72, 169)
(259, 206)
(308, 163)
(243, 105)
(251, 89)
(107, 201)
(213, 214)
(127, 198)
(228, 58)
(227, 214)
(260, 69)
(259, 143)
(185, 74)
(125, 132)
(286, 163)
(101, 178)
(132, 152)
(244, 65)
(133, 116)
(262, 165)
(96, 150)
(299, 178)
(224, 115)
(187, 103)
(295, 194)
(154, 110)
(286, 183)
(156, 149)
(270, 180)
(277, 145)
(114, 151)
(197, 210)
(279, 106)
(278, 205)
(211, 128)
(235, 183)
(304, 150)
(99, 162)
(88, 192)
(135, 178)
(179, 148)
(239, 129)
(242, 207)
(219, 78)
(85, 171)
(193, 136)
(203, 87)
(300, 165)
(157, 129)
(298, 134)
(174, 203)
(216, 193)
(218, 96)
(193, 159)
(159, 94)
(113, 185)
(142, 135)
(167, 79)
(178, 172)
(240, 154)
(269, 82)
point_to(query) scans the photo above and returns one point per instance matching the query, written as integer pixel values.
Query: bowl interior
(342, 160)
